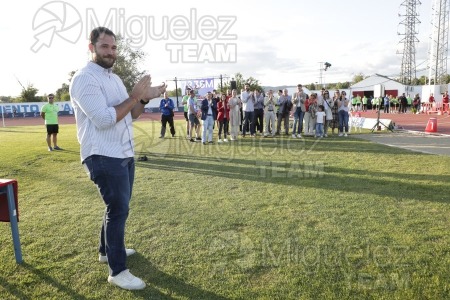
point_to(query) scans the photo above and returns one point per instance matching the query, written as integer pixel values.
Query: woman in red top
(431, 99)
(445, 101)
(223, 116)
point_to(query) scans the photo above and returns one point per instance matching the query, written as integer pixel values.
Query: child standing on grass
(320, 120)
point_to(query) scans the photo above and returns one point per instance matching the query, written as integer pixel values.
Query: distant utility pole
(321, 69)
(439, 42)
(409, 21)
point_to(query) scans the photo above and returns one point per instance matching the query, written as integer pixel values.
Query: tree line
(126, 67)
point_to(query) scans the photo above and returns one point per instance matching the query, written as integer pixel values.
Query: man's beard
(104, 61)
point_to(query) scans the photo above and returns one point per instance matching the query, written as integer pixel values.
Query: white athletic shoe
(127, 281)
(219, 141)
(104, 258)
(225, 140)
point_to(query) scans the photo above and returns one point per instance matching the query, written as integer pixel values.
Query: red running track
(415, 122)
(407, 121)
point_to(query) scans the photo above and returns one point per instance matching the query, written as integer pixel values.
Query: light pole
(323, 67)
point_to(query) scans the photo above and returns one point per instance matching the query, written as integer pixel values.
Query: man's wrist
(144, 102)
(135, 100)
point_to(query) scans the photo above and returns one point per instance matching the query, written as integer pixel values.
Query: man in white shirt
(299, 111)
(103, 113)
(269, 113)
(248, 108)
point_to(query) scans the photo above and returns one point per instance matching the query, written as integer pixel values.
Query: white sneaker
(104, 258)
(225, 140)
(340, 134)
(219, 141)
(345, 134)
(325, 135)
(299, 136)
(127, 281)
(293, 136)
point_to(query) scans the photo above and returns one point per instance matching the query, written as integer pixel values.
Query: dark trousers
(402, 108)
(223, 125)
(259, 120)
(285, 118)
(249, 117)
(298, 121)
(114, 179)
(164, 120)
(242, 120)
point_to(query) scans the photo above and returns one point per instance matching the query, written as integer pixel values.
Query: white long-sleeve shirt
(247, 102)
(94, 91)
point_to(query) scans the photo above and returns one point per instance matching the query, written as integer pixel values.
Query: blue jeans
(319, 129)
(343, 120)
(114, 179)
(208, 124)
(298, 119)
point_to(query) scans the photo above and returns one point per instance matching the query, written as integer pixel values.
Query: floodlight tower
(321, 69)
(439, 42)
(410, 21)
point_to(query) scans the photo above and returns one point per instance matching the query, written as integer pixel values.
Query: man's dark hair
(96, 32)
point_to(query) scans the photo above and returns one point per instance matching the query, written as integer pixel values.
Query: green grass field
(257, 219)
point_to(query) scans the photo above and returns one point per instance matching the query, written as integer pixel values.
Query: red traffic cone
(431, 125)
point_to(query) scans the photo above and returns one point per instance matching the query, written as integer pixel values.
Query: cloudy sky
(277, 42)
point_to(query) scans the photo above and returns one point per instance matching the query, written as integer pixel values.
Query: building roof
(369, 82)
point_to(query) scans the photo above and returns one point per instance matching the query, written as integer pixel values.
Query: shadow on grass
(149, 291)
(42, 277)
(360, 181)
(18, 131)
(12, 289)
(161, 280)
(283, 144)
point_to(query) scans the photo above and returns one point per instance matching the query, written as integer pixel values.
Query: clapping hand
(144, 89)
(155, 91)
(140, 88)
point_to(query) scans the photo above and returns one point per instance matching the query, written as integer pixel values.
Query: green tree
(311, 86)
(126, 65)
(358, 77)
(5, 99)
(28, 94)
(446, 78)
(345, 85)
(423, 80)
(415, 81)
(240, 82)
(62, 94)
(172, 93)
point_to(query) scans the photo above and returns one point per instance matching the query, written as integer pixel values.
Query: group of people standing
(254, 112)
